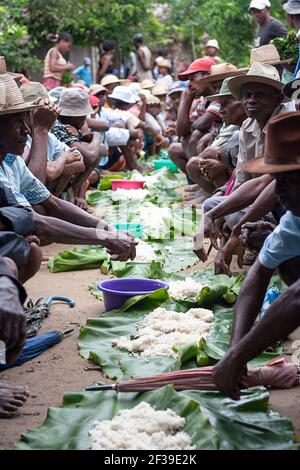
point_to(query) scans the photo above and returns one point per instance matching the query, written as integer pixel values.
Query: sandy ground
(61, 369)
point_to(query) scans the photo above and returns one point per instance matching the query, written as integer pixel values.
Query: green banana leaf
(89, 257)
(212, 421)
(219, 336)
(106, 181)
(95, 198)
(95, 341)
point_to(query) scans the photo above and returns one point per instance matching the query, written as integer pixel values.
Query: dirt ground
(61, 369)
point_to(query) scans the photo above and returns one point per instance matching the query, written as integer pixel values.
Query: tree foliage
(27, 23)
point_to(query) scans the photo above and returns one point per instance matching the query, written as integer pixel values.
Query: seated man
(216, 162)
(12, 334)
(74, 108)
(64, 222)
(281, 251)
(61, 166)
(17, 241)
(260, 93)
(115, 134)
(190, 129)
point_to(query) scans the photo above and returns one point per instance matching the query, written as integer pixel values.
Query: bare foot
(12, 397)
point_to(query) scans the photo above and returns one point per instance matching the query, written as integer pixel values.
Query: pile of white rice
(185, 290)
(130, 194)
(144, 252)
(162, 329)
(141, 428)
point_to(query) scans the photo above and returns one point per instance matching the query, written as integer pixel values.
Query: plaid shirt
(62, 134)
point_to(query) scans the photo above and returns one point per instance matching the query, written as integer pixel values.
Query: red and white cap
(200, 65)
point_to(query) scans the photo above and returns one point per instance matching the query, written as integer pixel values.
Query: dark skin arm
(98, 125)
(280, 321)
(204, 122)
(242, 197)
(183, 126)
(262, 206)
(51, 229)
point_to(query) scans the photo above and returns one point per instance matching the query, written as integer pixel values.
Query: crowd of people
(233, 132)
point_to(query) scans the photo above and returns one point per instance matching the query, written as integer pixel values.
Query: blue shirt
(84, 74)
(283, 244)
(26, 188)
(55, 147)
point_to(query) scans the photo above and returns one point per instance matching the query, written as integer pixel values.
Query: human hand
(198, 247)
(72, 155)
(228, 375)
(210, 230)
(120, 246)
(70, 67)
(205, 142)
(253, 234)
(45, 116)
(72, 130)
(33, 239)
(143, 98)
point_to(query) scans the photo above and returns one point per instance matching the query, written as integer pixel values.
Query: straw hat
(74, 102)
(267, 54)
(96, 88)
(221, 71)
(164, 63)
(160, 89)
(109, 80)
(11, 98)
(224, 92)
(151, 99)
(3, 70)
(258, 73)
(147, 84)
(282, 146)
(33, 91)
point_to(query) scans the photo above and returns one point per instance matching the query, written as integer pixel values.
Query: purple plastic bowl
(117, 291)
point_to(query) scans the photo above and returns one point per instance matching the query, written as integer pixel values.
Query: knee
(172, 151)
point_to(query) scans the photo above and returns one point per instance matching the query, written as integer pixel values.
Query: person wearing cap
(61, 221)
(212, 50)
(144, 59)
(191, 130)
(269, 27)
(292, 10)
(84, 72)
(174, 96)
(164, 69)
(281, 251)
(216, 161)
(261, 94)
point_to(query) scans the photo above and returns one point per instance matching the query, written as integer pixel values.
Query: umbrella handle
(47, 302)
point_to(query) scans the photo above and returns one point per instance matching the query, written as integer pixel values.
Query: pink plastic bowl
(126, 184)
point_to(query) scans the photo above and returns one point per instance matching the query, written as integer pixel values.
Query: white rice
(162, 330)
(141, 428)
(185, 290)
(144, 252)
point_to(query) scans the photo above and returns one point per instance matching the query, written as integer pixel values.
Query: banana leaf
(212, 421)
(95, 341)
(89, 257)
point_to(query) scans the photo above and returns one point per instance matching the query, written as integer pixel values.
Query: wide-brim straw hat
(33, 91)
(95, 88)
(164, 63)
(151, 100)
(282, 146)
(221, 71)
(147, 84)
(109, 80)
(11, 98)
(258, 73)
(267, 54)
(160, 89)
